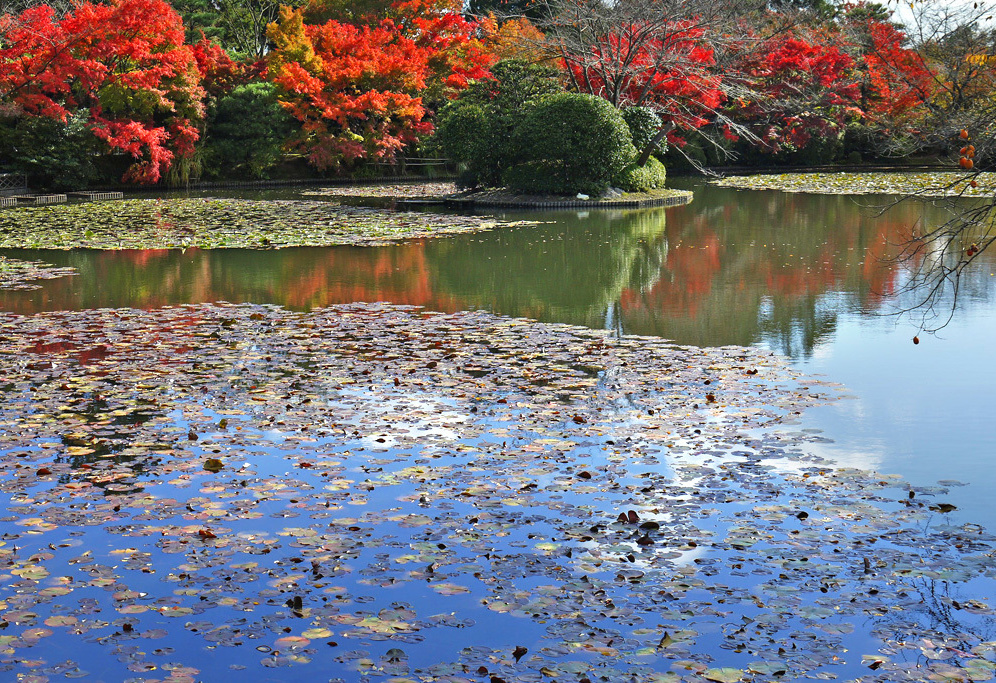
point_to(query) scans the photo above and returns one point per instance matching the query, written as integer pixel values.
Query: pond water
(804, 275)
(380, 533)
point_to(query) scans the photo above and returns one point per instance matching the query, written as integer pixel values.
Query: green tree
(476, 130)
(201, 17)
(239, 26)
(356, 12)
(53, 154)
(246, 131)
(819, 9)
(245, 23)
(571, 143)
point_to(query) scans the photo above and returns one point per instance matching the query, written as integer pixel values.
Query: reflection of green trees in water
(572, 270)
(733, 267)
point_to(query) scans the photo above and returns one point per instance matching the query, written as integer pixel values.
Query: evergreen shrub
(477, 129)
(635, 178)
(52, 154)
(246, 130)
(643, 125)
(570, 143)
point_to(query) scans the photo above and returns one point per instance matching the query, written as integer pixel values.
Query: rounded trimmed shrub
(571, 143)
(464, 135)
(635, 178)
(475, 130)
(643, 125)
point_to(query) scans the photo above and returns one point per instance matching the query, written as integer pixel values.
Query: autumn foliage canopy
(363, 84)
(123, 65)
(360, 92)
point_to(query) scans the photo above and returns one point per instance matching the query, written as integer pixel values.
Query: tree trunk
(653, 144)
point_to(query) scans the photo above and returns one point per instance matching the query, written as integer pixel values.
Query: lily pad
(180, 223)
(381, 510)
(921, 184)
(18, 274)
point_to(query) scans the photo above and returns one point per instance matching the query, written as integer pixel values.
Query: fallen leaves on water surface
(442, 529)
(413, 190)
(921, 184)
(19, 274)
(212, 223)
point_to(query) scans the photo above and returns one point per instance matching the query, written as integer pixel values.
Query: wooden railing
(11, 183)
(428, 166)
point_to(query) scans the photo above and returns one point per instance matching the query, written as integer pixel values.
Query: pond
(805, 276)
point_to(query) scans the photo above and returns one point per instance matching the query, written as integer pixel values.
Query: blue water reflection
(806, 276)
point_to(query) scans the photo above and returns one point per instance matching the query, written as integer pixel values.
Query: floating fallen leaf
(214, 465)
(470, 518)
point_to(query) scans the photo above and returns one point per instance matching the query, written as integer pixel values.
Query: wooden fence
(13, 183)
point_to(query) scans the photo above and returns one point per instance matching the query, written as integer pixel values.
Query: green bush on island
(520, 130)
(571, 143)
(466, 135)
(643, 125)
(635, 178)
(477, 130)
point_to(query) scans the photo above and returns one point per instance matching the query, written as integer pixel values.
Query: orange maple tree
(361, 91)
(516, 38)
(123, 64)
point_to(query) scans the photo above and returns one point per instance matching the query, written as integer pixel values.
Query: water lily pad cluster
(414, 190)
(369, 491)
(20, 274)
(923, 184)
(210, 223)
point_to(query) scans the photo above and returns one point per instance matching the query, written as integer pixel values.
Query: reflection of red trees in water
(877, 270)
(400, 276)
(690, 271)
(734, 261)
(297, 278)
(720, 263)
(93, 354)
(139, 258)
(78, 344)
(46, 348)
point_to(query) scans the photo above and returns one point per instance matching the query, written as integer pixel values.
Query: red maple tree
(666, 66)
(124, 64)
(896, 82)
(359, 91)
(802, 87)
